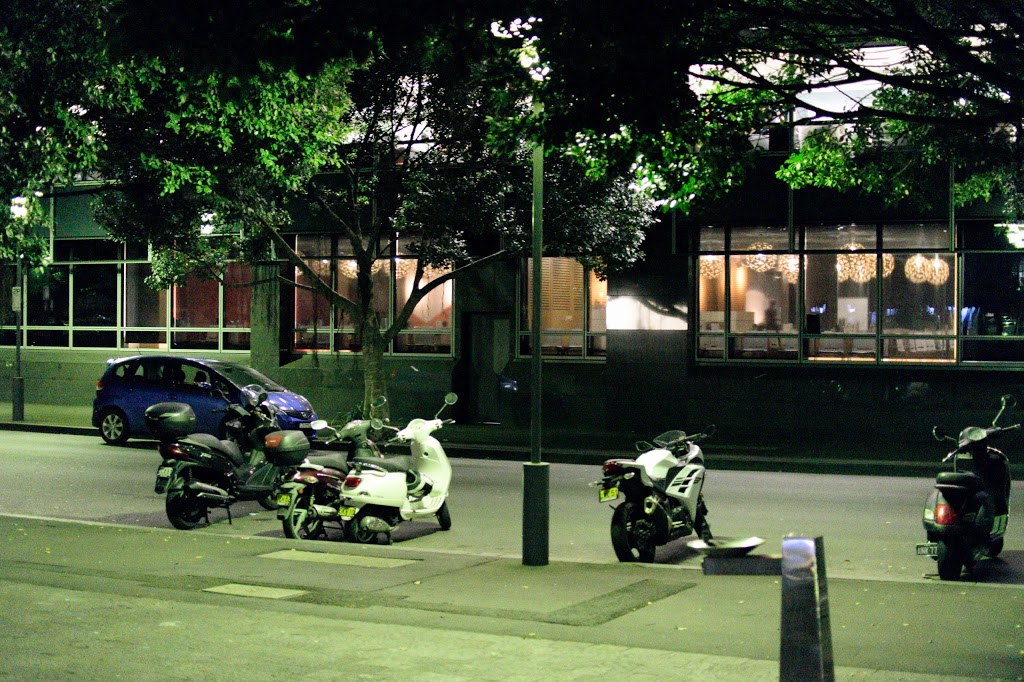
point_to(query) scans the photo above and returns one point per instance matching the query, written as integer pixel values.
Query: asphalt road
(870, 523)
(75, 598)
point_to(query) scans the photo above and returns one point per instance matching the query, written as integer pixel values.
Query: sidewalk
(99, 601)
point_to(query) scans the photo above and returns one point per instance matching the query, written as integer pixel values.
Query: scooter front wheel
(301, 521)
(632, 534)
(950, 561)
(444, 517)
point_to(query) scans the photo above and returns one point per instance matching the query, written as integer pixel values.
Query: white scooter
(378, 494)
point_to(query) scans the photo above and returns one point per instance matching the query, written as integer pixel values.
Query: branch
(419, 293)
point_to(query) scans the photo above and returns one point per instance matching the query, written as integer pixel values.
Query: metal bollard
(805, 654)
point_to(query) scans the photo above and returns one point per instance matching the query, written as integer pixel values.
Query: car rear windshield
(243, 376)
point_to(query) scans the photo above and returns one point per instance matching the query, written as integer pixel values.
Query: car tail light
(353, 481)
(945, 515)
(99, 385)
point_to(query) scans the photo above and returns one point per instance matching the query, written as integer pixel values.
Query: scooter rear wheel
(632, 534)
(949, 560)
(185, 510)
(354, 531)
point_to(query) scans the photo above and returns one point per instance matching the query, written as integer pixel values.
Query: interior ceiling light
(711, 267)
(760, 262)
(789, 266)
(920, 269)
(860, 267)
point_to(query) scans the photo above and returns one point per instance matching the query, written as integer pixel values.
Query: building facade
(807, 317)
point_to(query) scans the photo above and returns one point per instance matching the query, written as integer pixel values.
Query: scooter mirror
(1009, 401)
(451, 398)
(379, 402)
(376, 424)
(710, 431)
(318, 424)
(938, 433)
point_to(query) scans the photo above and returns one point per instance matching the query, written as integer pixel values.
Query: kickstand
(229, 514)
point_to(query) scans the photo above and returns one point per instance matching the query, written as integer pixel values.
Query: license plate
(164, 472)
(605, 494)
(305, 425)
(928, 549)
(347, 512)
(284, 499)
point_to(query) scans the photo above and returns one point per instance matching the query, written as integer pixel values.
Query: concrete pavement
(100, 601)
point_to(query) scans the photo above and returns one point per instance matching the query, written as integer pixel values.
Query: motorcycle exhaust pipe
(206, 490)
(325, 511)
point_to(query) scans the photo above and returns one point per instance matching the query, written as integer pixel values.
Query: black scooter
(965, 516)
(200, 471)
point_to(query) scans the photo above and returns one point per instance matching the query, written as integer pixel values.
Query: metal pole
(535, 473)
(18, 386)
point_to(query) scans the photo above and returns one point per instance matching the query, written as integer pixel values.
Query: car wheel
(114, 426)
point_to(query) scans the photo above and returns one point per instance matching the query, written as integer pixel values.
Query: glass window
(993, 303)
(196, 303)
(567, 306)
(86, 249)
(237, 295)
(48, 296)
(712, 238)
(917, 236)
(95, 295)
(143, 306)
(763, 294)
(851, 237)
(918, 297)
(760, 238)
(840, 296)
(434, 311)
(8, 279)
(347, 285)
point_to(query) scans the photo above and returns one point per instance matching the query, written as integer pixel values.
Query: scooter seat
(958, 479)
(226, 447)
(397, 463)
(330, 460)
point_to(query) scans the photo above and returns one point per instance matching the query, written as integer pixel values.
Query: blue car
(130, 385)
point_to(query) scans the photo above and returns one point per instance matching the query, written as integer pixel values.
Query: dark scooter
(965, 516)
(200, 471)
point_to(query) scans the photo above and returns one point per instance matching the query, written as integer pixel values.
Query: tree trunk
(375, 385)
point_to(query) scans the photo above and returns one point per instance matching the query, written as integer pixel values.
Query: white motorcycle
(662, 495)
(380, 493)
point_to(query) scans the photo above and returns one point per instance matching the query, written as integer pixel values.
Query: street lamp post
(18, 386)
(535, 472)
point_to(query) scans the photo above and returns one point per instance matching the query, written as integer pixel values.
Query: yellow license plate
(347, 512)
(284, 499)
(605, 494)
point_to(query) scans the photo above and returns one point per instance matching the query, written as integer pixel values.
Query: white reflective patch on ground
(255, 591)
(342, 559)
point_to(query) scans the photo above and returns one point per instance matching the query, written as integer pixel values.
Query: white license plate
(284, 499)
(605, 494)
(928, 549)
(164, 472)
(347, 512)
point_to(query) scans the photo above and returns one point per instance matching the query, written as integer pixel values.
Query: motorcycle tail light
(353, 481)
(944, 514)
(614, 466)
(173, 451)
